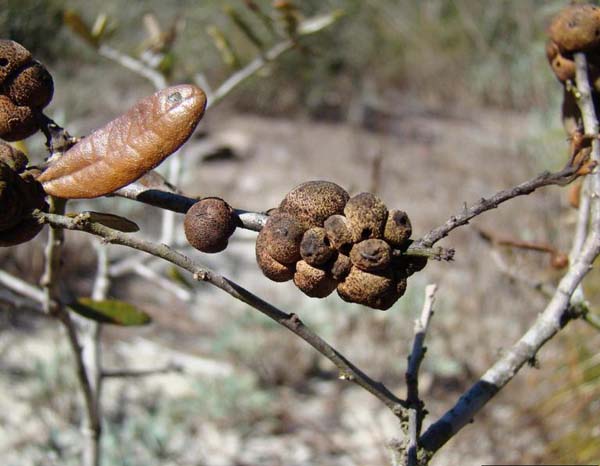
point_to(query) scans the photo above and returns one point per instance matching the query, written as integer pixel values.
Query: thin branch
(22, 287)
(290, 321)
(590, 125)
(592, 319)
(91, 350)
(102, 281)
(552, 319)
(583, 220)
(92, 421)
(544, 288)
(179, 203)
(253, 221)
(307, 27)
(248, 71)
(134, 374)
(16, 301)
(157, 279)
(415, 405)
(555, 316)
(561, 178)
(157, 79)
(52, 263)
(53, 306)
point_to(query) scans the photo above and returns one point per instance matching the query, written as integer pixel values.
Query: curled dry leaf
(127, 147)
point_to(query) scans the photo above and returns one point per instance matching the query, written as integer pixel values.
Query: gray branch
(415, 405)
(555, 316)
(290, 321)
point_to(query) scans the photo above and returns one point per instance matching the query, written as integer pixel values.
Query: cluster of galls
(20, 195)
(26, 88)
(324, 240)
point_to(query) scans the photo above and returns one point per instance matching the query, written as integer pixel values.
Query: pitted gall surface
(208, 224)
(576, 28)
(282, 236)
(13, 56)
(352, 244)
(338, 232)
(340, 268)
(314, 201)
(313, 282)
(26, 88)
(20, 195)
(371, 255)
(272, 269)
(32, 87)
(409, 265)
(315, 247)
(16, 122)
(12, 157)
(366, 215)
(397, 228)
(368, 289)
(12, 207)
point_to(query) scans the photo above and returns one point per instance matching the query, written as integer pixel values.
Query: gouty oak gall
(127, 147)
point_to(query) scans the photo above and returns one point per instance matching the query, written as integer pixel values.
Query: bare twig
(102, 280)
(180, 203)
(562, 177)
(415, 405)
(131, 373)
(307, 27)
(554, 317)
(495, 238)
(290, 321)
(254, 221)
(53, 306)
(91, 351)
(583, 220)
(592, 319)
(248, 71)
(22, 287)
(157, 79)
(157, 279)
(590, 125)
(52, 265)
(544, 288)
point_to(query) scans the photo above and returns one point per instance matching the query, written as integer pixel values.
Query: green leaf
(318, 23)
(175, 274)
(223, 45)
(76, 23)
(110, 311)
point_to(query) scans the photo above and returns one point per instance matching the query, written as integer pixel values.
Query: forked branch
(559, 310)
(292, 322)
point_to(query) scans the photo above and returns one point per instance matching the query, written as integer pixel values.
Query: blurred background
(430, 104)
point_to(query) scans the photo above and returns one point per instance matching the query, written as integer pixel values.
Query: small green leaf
(76, 23)
(223, 45)
(244, 27)
(318, 23)
(175, 274)
(110, 311)
(100, 26)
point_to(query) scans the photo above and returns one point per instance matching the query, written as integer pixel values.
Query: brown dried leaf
(127, 147)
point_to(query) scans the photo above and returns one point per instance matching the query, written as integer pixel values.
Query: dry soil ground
(250, 394)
